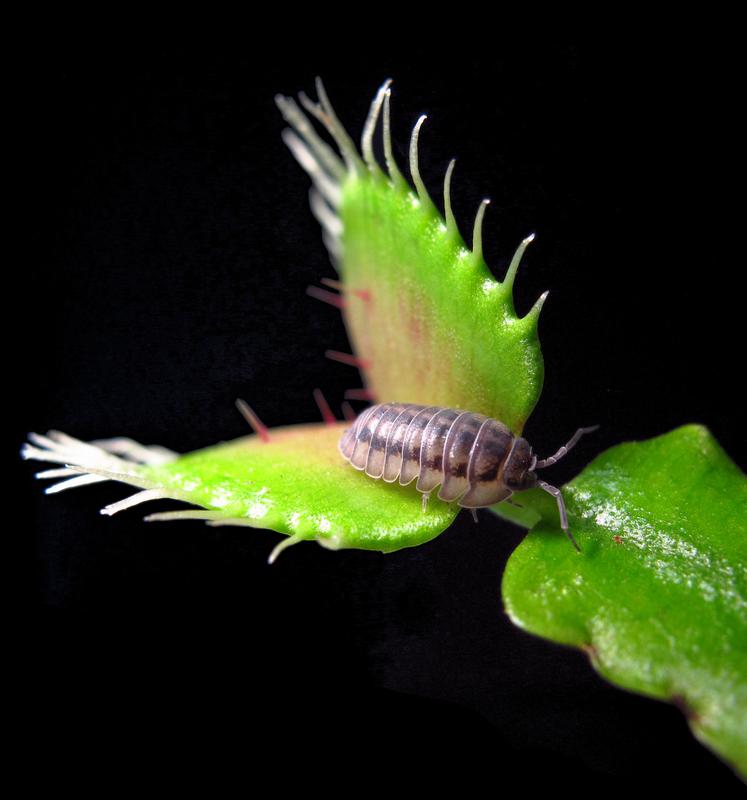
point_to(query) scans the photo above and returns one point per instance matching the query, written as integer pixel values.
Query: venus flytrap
(437, 327)
(427, 321)
(658, 596)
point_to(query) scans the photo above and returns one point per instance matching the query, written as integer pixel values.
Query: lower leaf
(296, 483)
(658, 596)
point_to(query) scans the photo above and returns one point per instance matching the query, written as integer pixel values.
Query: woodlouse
(476, 460)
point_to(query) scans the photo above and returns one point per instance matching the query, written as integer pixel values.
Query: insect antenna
(547, 462)
(557, 494)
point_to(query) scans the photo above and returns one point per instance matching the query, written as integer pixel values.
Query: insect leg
(546, 462)
(426, 495)
(557, 494)
(474, 515)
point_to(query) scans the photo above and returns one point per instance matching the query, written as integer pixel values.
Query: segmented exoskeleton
(476, 460)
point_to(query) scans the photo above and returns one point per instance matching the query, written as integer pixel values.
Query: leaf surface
(297, 483)
(658, 596)
(437, 328)
(427, 320)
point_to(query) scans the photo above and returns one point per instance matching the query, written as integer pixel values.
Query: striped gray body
(463, 452)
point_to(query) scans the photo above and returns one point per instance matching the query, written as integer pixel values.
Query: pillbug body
(477, 461)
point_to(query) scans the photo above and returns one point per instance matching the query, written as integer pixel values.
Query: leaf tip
(415, 165)
(370, 126)
(283, 545)
(451, 223)
(532, 316)
(513, 267)
(477, 232)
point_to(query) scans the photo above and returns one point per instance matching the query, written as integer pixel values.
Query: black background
(167, 246)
